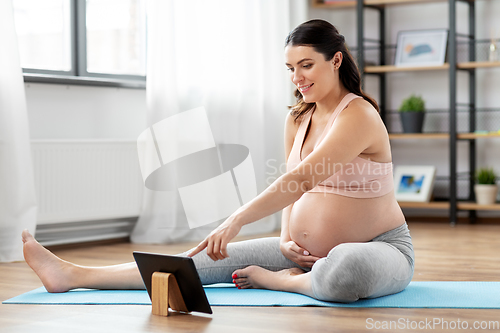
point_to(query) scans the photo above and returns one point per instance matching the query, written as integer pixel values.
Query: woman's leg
(350, 271)
(58, 275)
(262, 252)
(360, 270)
(377, 268)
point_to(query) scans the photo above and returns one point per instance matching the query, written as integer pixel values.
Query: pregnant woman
(343, 234)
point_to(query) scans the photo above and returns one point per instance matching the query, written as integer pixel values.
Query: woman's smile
(304, 89)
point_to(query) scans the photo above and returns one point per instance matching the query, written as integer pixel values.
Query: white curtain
(17, 189)
(225, 56)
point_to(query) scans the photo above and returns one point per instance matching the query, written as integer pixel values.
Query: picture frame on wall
(414, 183)
(418, 48)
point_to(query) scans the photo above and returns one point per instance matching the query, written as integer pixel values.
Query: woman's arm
(291, 128)
(352, 133)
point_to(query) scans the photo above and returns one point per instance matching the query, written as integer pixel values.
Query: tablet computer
(185, 273)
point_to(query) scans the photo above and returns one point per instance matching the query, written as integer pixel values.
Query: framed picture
(414, 183)
(421, 48)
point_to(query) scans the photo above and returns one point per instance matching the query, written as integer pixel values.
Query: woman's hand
(216, 241)
(297, 254)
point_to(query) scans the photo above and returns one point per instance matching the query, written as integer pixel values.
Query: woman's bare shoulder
(362, 107)
(362, 117)
(360, 113)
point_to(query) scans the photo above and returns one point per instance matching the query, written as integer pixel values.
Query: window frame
(78, 74)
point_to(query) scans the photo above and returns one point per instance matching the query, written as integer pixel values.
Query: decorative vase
(485, 194)
(412, 121)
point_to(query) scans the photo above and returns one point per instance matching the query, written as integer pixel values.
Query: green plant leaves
(486, 176)
(413, 104)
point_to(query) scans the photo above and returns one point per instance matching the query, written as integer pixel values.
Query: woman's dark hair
(324, 38)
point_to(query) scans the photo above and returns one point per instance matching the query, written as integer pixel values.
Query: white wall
(82, 112)
(433, 86)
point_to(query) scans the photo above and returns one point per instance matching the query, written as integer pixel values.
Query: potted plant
(486, 188)
(412, 112)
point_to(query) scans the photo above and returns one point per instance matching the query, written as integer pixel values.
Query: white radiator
(86, 189)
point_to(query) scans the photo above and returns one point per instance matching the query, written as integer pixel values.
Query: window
(82, 41)
(116, 31)
(44, 34)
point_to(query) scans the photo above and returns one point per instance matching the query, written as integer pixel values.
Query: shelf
(397, 2)
(478, 64)
(467, 67)
(463, 205)
(419, 136)
(333, 5)
(461, 65)
(474, 206)
(340, 4)
(397, 136)
(477, 136)
(392, 69)
(429, 205)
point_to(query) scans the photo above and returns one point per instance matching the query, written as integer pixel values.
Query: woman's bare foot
(55, 274)
(293, 279)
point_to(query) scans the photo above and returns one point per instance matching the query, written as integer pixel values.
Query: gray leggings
(350, 271)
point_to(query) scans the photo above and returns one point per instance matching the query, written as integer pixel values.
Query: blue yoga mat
(419, 294)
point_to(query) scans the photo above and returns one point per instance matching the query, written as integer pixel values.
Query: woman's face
(311, 73)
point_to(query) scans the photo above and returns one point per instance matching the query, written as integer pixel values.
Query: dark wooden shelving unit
(452, 66)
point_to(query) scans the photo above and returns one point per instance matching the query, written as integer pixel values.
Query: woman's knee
(345, 275)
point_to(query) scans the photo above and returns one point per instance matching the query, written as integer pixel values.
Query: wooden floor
(443, 253)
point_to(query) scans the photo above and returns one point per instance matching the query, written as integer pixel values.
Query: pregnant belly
(318, 221)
